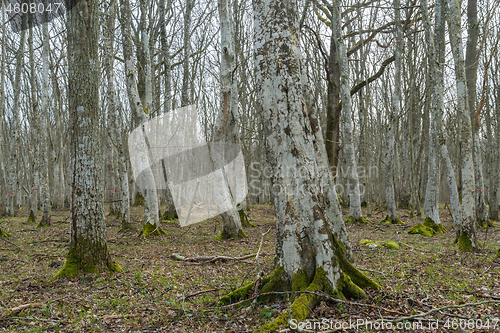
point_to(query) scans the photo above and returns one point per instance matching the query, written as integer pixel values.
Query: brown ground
(153, 294)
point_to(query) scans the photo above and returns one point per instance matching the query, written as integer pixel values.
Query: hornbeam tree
(466, 230)
(227, 130)
(310, 250)
(88, 251)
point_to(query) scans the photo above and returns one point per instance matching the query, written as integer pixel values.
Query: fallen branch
(199, 293)
(209, 259)
(17, 309)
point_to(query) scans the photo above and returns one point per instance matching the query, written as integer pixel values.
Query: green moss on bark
(32, 217)
(421, 229)
(390, 220)
(245, 222)
(464, 242)
(87, 257)
(360, 279)
(126, 226)
(4, 233)
(168, 216)
(225, 235)
(138, 200)
(239, 293)
(150, 229)
(351, 219)
(438, 228)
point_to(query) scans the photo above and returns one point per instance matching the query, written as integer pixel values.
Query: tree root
(4, 233)
(225, 235)
(391, 220)
(351, 219)
(438, 228)
(423, 230)
(150, 229)
(245, 222)
(349, 285)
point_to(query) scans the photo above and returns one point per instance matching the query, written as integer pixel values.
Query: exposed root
(464, 242)
(391, 220)
(351, 219)
(150, 229)
(245, 222)
(305, 303)
(126, 226)
(349, 285)
(31, 217)
(225, 235)
(4, 233)
(438, 228)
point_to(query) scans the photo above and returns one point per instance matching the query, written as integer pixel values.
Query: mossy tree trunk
(466, 230)
(309, 254)
(88, 251)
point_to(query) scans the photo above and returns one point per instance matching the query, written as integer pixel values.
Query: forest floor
(156, 293)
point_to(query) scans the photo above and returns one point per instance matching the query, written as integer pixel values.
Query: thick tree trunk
(34, 128)
(466, 231)
(88, 251)
(308, 253)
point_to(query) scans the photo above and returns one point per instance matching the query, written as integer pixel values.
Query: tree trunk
(12, 179)
(185, 96)
(115, 122)
(308, 252)
(466, 231)
(390, 159)
(44, 148)
(88, 251)
(471, 64)
(139, 111)
(226, 129)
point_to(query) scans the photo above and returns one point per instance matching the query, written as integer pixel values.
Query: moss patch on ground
(379, 244)
(423, 230)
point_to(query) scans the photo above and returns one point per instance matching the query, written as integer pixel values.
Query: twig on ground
(17, 309)
(199, 293)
